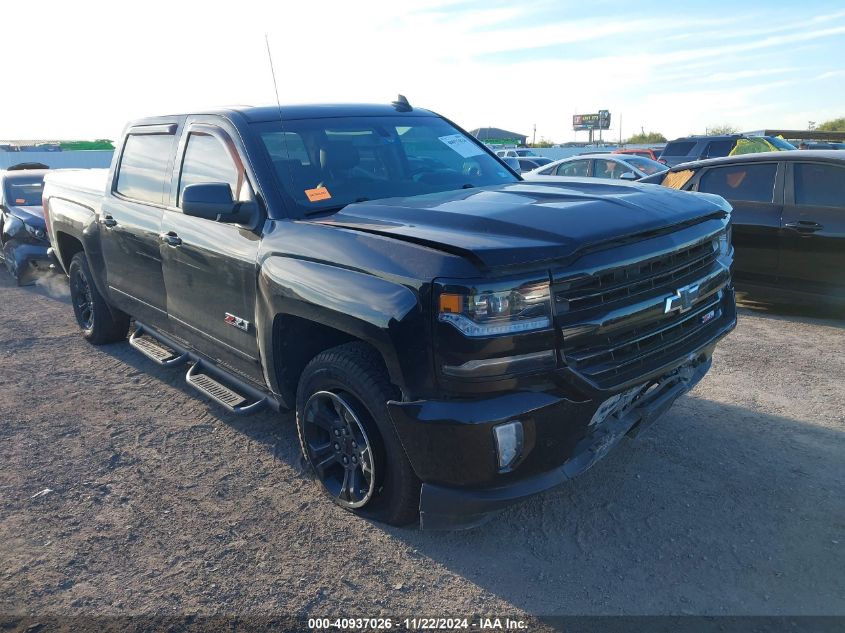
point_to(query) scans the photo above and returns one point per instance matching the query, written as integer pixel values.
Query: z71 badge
(236, 321)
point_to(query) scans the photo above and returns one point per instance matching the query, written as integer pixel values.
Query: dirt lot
(158, 502)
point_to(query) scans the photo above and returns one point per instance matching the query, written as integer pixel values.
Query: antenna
(273, 74)
(279, 106)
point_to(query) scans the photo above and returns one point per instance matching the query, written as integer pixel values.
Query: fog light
(508, 442)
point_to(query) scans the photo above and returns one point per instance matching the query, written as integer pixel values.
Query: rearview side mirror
(213, 201)
(629, 175)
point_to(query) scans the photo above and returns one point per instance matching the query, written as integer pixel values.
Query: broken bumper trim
(451, 508)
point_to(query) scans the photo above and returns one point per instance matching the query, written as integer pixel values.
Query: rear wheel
(347, 436)
(100, 324)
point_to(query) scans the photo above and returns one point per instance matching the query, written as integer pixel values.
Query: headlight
(35, 232)
(492, 311)
(725, 247)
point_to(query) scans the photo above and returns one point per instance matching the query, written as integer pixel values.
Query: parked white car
(612, 166)
(522, 152)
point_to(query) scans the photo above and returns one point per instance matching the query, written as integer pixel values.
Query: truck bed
(86, 185)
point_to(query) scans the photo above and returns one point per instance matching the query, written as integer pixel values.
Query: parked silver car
(518, 152)
(613, 166)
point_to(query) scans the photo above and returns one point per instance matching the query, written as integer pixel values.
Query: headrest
(339, 155)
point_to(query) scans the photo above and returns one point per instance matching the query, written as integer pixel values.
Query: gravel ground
(121, 492)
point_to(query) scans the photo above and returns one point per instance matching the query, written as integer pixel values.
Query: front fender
(383, 313)
(12, 227)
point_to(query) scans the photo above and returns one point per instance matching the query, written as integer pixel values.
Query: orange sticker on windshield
(320, 193)
(20, 201)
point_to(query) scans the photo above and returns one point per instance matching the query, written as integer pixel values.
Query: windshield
(645, 165)
(24, 192)
(325, 164)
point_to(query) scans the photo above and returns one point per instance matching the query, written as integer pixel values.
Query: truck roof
(256, 114)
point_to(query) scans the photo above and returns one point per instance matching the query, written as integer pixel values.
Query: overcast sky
(88, 67)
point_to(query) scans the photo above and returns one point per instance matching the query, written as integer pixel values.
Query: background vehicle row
(788, 219)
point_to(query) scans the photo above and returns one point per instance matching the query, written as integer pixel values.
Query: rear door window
(748, 183)
(143, 173)
(576, 168)
(818, 184)
(678, 148)
(606, 168)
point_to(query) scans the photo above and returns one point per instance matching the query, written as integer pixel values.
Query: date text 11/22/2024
(417, 624)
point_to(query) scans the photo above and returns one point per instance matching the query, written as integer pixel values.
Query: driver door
(210, 269)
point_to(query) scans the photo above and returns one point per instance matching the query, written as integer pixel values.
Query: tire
(351, 378)
(100, 324)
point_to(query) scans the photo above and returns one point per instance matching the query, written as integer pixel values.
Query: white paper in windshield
(462, 145)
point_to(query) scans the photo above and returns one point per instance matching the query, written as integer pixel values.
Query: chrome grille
(613, 323)
(627, 282)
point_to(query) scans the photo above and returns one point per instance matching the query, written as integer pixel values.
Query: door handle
(109, 221)
(171, 239)
(804, 226)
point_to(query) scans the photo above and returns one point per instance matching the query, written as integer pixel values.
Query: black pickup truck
(453, 339)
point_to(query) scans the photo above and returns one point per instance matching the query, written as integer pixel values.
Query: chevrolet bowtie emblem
(682, 299)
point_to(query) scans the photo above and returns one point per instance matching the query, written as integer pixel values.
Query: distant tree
(646, 137)
(835, 125)
(543, 142)
(724, 128)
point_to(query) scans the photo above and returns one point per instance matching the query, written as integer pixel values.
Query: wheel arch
(307, 307)
(67, 246)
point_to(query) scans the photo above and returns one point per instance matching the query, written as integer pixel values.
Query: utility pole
(534, 139)
(620, 129)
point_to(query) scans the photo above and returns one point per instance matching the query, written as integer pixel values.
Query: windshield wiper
(334, 209)
(324, 210)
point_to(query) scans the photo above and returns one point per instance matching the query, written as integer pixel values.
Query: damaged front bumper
(27, 261)
(451, 448)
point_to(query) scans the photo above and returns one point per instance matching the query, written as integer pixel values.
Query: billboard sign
(598, 121)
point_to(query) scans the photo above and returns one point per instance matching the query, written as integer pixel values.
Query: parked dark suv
(689, 148)
(788, 219)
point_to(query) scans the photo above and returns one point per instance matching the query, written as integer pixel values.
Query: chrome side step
(156, 349)
(208, 380)
(232, 393)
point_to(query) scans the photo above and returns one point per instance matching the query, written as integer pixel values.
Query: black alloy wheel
(83, 302)
(338, 447)
(99, 322)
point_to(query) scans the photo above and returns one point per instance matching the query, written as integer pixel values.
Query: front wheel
(100, 324)
(348, 439)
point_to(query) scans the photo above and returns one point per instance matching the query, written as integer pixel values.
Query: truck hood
(524, 223)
